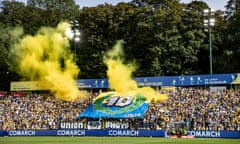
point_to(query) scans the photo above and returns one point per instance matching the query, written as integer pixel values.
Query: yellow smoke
(120, 76)
(46, 57)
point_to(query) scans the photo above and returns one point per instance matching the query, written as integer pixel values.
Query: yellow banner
(237, 80)
(26, 86)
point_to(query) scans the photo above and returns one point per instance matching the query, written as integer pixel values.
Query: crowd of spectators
(199, 109)
(36, 111)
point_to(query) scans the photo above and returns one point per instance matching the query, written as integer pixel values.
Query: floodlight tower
(209, 22)
(76, 37)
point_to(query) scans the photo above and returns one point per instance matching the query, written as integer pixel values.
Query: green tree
(6, 73)
(169, 36)
(232, 36)
(37, 13)
(194, 38)
(31, 17)
(221, 52)
(12, 12)
(3, 53)
(101, 27)
(162, 37)
(54, 11)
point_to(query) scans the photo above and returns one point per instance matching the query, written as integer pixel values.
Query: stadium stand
(199, 108)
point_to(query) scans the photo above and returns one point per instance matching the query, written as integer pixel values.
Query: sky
(214, 4)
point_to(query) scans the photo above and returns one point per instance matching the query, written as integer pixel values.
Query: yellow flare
(120, 77)
(47, 57)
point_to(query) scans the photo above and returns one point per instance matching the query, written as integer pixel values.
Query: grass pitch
(112, 140)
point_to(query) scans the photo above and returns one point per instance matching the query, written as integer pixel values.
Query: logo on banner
(112, 103)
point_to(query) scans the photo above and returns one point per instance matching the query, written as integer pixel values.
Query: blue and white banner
(208, 134)
(183, 80)
(110, 105)
(117, 132)
(214, 134)
(79, 132)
